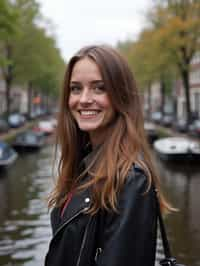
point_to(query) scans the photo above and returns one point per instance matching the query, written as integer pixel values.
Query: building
(18, 98)
(151, 99)
(194, 81)
(177, 101)
(154, 103)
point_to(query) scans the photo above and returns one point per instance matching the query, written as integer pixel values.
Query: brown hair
(126, 143)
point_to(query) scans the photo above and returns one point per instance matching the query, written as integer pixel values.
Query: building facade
(194, 81)
(177, 101)
(18, 98)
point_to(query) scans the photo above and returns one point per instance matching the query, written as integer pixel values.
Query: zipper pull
(98, 252)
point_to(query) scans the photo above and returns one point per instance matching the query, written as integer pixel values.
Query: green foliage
(180, 31)
(33, 56)
(8, 28)
(165, 48)
(8, 19)
(147, 58)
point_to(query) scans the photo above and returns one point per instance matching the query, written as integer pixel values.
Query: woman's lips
(88, 113)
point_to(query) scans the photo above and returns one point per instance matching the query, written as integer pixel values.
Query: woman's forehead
(85, 68)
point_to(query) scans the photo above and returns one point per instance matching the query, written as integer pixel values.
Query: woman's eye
(75, 89)
(99, 89)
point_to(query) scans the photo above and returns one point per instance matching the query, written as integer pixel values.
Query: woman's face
(88, 100)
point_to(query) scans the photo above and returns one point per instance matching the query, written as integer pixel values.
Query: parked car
(3, 126)
(167, 120)
(16, 120)
(194, 128)
(156, 117)
(151, 131)
(180, 125)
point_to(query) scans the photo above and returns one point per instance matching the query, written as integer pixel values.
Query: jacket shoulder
(137, 178)
(132, 229)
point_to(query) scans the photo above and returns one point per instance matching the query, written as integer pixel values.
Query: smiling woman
(104, 203)
(89, 101)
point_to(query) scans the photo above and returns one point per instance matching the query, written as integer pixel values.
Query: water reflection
(3, 197)
(24, 221)
(182, 185)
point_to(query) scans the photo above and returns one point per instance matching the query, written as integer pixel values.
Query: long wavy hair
(125, 145)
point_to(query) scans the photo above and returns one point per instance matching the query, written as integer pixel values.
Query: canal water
(24, 220)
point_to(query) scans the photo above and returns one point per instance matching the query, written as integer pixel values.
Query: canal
(24, 219)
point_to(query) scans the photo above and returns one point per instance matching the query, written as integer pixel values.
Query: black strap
(163, 233)
(168, 260)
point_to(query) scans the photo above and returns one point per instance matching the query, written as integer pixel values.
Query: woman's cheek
(72, 101)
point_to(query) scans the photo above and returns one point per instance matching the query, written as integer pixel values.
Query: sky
(82, 22)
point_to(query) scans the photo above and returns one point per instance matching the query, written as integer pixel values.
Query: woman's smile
(87, 114)
(89, 102)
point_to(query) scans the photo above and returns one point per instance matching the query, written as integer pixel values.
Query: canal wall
(11, 134)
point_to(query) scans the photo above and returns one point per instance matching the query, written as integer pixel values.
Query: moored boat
(29, 140)
(151, 132)
(7, 154)
(177, 149)
(47, 127)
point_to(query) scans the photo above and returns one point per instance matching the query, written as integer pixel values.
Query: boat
(151, 132)
(177, 149)
(29, 140)
(7, 154)
(47, 127)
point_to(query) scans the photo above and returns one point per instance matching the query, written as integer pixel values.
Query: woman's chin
(88, 127)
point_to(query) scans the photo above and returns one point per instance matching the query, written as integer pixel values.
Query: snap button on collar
(87, 200)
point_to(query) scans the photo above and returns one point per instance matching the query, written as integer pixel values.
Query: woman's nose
(86, 96)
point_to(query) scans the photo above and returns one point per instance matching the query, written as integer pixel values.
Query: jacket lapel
(80, 202)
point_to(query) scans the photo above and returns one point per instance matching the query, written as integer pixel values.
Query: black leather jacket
(126, 238)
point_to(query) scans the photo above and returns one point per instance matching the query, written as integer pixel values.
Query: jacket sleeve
(129, 236)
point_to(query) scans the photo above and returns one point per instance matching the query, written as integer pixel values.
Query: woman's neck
(96, 139)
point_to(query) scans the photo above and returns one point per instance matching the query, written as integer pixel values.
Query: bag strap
(165, 241)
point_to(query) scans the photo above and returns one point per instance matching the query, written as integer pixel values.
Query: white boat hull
(177, 149)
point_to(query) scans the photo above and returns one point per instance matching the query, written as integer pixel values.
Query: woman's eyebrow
(75, 82)
(91, 82)
(97, 81)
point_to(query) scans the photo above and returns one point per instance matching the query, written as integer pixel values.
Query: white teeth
(88, 112)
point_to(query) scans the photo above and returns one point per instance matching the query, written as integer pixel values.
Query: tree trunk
(174, 107)
(8, 98)
(185, 79)
(149, 101)
(8, 76)
(162, 93)
(29, 102)
(47, 103)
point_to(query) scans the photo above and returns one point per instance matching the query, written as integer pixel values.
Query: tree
(8, 19)
(179, 32)
(8, 29)
(149, 62)
(41, 69)
(33, 59)
(13, 28)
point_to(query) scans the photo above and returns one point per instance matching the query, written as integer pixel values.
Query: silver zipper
(67, 222)
(98, 252)
(83, 243)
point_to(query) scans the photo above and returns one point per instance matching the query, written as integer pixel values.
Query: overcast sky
(81, 22)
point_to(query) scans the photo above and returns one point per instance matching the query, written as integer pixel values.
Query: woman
(104, 205)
